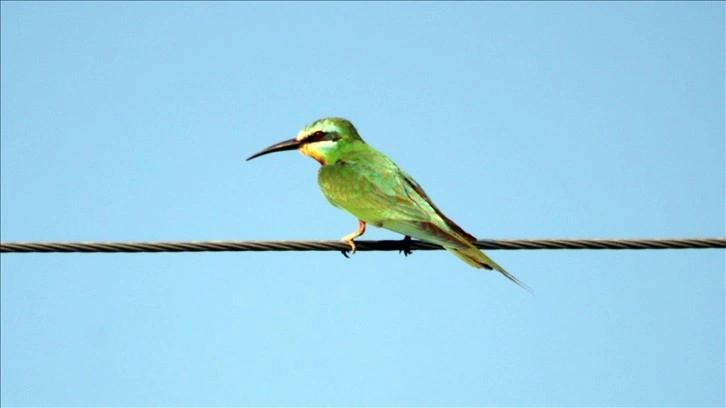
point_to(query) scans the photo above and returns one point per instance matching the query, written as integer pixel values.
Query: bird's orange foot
(345, 252)
(348, 239)
(406, 241)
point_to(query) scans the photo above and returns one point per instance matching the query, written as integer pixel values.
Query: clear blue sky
(131, 122)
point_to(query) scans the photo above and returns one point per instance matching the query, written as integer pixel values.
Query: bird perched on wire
(361, 180)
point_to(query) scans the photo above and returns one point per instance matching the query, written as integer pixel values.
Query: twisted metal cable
(387, 245)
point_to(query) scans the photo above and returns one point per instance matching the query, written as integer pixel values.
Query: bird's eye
(321, 136)
(317, 136)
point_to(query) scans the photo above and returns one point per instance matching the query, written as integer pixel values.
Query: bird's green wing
(377, 192)
(421, 193)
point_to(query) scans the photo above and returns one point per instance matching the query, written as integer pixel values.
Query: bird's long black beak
(291, 144)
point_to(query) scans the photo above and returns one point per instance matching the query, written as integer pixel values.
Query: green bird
(359, 179)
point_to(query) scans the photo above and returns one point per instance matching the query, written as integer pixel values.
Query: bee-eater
(364, 182)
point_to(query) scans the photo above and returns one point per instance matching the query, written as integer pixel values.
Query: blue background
(131, 122)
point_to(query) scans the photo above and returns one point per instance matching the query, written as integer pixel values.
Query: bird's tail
(478, 259)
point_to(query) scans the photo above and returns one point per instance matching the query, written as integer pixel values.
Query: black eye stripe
(315, 137)
(320, 136)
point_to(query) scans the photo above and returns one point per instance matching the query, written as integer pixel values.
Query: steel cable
(363, 245)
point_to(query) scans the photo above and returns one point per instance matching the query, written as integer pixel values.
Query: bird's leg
(406, 246)
(353, 235)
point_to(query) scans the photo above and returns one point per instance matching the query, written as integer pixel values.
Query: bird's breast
(342, 181)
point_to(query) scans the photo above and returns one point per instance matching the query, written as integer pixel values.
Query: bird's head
(324, 140)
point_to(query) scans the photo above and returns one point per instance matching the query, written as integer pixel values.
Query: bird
(357, 178)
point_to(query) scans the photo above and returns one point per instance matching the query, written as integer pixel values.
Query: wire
(396, 245)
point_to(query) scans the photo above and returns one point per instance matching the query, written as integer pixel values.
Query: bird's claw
(345, 252)
(406, 246)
